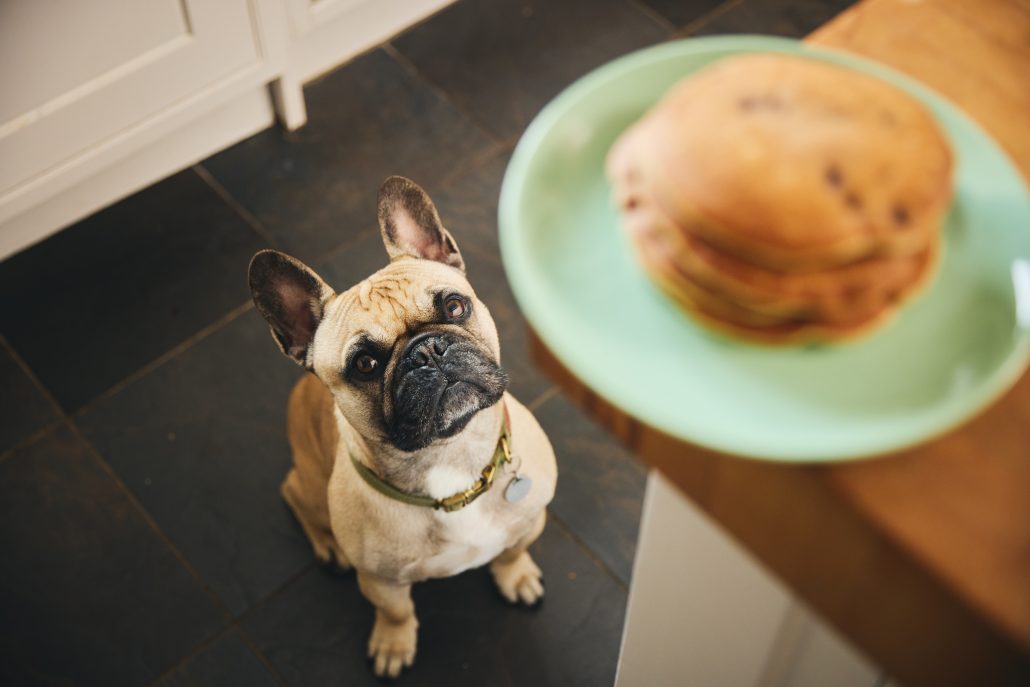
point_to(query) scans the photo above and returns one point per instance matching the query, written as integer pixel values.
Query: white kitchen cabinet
(99, 98)
(703, 613)
(104, 67)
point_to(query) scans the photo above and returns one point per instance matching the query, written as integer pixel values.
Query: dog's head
(410, 354)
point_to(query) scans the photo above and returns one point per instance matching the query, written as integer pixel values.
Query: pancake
(840, 295)
(792, 164)
(785, 200)
(722, 317)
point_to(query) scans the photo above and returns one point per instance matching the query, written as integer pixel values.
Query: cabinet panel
(181, 48)
(51, 47)
(703, 612)
(700, 611)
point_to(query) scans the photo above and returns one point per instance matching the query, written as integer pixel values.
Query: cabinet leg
(288, 98)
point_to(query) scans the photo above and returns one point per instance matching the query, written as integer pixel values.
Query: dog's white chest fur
(469, 537)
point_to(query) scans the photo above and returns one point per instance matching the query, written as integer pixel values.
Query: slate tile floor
(142, 439)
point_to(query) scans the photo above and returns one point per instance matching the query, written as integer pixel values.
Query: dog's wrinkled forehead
(392, 299)
(393, 302)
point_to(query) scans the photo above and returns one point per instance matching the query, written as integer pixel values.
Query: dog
(411, 461)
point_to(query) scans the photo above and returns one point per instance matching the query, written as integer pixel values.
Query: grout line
(43, 390)
(148, 518)
(591, 554)
(66, 420)
(545, 396)
(476, 160)
(339, 249)
(260, 655)
(203, 646)
(30, 373)
(160, 360)
(206, 644)
(407, 29)
(426, 19)
(469, 164)
(320, 76)
(653, 14)
(263, 601)
(714, 13)
(472, 162)
(253, 222)
(33, 438)
(409, 66)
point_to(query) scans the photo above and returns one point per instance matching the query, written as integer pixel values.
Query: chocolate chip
(833, 176)
(767, 101)
(900, 214)
(853, 292)
(852, 200)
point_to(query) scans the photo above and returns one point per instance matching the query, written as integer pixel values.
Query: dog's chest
(463, 540)
(466, 538)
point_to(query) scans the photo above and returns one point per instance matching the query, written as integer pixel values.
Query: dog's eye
(454, 307)
(365, 364)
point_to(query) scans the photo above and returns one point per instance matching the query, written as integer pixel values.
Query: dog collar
(502, 455)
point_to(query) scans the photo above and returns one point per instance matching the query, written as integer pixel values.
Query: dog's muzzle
(441, 381)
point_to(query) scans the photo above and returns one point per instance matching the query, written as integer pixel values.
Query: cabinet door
(703, 612)
(74, 74)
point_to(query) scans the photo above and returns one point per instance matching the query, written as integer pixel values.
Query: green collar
(502, 454)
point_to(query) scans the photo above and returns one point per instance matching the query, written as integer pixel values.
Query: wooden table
(923, 559)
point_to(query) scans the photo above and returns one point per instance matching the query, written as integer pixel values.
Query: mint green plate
(948, 355)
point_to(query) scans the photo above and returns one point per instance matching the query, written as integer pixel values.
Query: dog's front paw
(392, 646)
(519, 579)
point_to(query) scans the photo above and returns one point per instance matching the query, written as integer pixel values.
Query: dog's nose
(427, 347)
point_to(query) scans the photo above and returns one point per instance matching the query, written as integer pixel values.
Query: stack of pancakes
(785, 200)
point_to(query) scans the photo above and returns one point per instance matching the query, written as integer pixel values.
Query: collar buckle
(464, 498)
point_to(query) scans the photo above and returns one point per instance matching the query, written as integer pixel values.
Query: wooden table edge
(905, 617)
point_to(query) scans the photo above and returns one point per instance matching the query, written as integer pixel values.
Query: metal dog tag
(517, 488)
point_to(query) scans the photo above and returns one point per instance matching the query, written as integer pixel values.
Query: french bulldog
(410, 459)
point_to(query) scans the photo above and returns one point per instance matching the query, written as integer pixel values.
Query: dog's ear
(291, 297)
(411, 227)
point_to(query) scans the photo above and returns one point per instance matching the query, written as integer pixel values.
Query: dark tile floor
(142, 439)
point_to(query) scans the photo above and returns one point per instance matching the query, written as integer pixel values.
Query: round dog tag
(517, 488)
